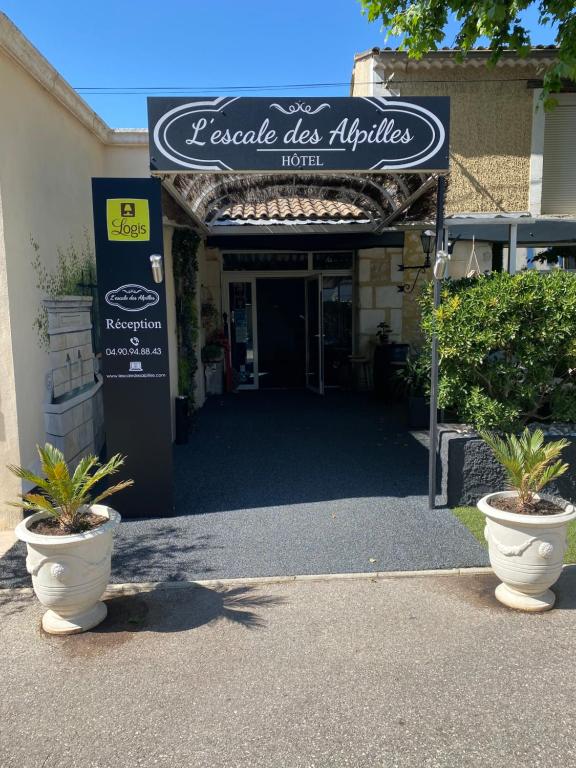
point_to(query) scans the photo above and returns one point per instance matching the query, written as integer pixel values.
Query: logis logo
(132, 297)
(128, 220)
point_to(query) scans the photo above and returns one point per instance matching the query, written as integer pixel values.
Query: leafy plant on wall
(507, 347)
(75, 270)
(185, 260)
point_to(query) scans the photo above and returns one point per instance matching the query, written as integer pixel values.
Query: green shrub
(74, 266)
(507, 346)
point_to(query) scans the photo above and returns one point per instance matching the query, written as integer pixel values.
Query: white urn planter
(70, 573)
(526, 553)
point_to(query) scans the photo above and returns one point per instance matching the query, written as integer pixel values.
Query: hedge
(507, 346)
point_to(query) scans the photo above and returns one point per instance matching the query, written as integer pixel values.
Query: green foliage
(475, 521)
(65, 496)
(421, 24)
(184, 253)
(563, 401)
(555, 253)
(507, 347)
(529, 462)
(415, 375)
(73, 267)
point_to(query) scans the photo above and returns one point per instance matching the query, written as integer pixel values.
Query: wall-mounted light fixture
(157, 270)
(428, 240)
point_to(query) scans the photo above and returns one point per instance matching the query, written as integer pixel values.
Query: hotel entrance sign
(284, 135)
(128, 230)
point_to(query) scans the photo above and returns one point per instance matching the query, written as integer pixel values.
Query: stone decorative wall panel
(73, 407)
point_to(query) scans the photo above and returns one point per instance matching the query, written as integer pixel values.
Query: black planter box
(470, 471)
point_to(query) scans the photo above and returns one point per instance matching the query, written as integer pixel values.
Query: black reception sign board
(287, 134)
(128, 230)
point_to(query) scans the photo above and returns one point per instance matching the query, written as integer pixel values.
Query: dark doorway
(281, 332)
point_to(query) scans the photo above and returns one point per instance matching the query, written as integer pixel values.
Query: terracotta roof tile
(294, 209)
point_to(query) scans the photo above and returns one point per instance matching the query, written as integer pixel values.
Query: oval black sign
(132, 297)
(262, 134)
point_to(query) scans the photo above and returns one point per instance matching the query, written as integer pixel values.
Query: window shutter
(559, 166)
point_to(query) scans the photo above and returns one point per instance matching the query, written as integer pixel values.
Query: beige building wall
(9, 447)
(490, 129)
(129, 160)
(47, 158)
(51, 145)
(490, 136)
(362, 75)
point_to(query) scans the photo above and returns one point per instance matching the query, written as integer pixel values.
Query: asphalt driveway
(283, 483)
(426, 672)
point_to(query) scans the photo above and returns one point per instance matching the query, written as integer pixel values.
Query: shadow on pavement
(165, 610)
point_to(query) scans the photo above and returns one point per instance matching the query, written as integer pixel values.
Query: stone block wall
(413, 256)
(73, 407)
(378, 298)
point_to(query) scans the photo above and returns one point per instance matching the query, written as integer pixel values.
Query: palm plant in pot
(69, 537)
(525, 530)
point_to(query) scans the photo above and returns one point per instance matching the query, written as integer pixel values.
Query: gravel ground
(289, 483)
(426, 672)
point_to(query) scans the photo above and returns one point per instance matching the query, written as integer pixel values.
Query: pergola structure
(370, 202)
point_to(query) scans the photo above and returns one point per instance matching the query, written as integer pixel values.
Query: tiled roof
(293, 209)
(472, 50)
(476, 57)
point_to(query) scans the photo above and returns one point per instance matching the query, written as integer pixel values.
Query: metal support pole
(513, 239)
(433, 435)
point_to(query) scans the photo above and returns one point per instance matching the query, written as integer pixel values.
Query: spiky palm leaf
(64, 495)
(530, 463)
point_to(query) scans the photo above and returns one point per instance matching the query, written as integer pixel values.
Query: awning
(532, 231)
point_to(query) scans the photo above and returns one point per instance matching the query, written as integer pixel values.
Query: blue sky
(197, 44)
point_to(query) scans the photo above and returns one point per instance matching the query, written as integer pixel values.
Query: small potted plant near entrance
(69, 538)
(383, 333)
(526, 532)
(213, 350)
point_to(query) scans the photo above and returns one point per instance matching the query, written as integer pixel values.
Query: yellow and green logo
(128, 220)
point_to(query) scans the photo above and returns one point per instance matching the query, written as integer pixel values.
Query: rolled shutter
(559, 163)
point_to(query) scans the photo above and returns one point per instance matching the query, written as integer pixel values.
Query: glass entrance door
(314, 340)
(243, 346)
(337, 329)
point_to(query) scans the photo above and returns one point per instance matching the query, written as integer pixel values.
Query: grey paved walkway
(424, 672)
(286, 483)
